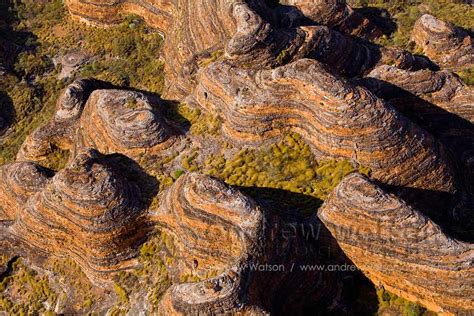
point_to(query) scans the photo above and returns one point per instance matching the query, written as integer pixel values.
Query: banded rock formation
(126, 122)
(439, 101)
(442, 88)
(220, 230)
(194, 28)
(91, 115)
(444, 43)
(336, 14)
(87, 212)
(60, 131)
(399, 248)
(18, 181)
(217, 229)
(338, 119)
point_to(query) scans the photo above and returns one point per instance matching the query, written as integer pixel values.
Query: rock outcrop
(399, 248)
(126, 122)
(193, 29)
(439, 101)
(444, 43)
(441, 88)
(338, 119)
(335, 14)
(60, 132)
(217, 230)
(89, 114)
(87, 212)
(220, 231)
(18, 181)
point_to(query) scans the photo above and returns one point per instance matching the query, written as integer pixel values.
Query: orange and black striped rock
(60, 131)
(221, 236)
(126, 122)
(338, 119)
(447, 45)
(87, 212)
(399, 248)
(195, 29)
(19, 181)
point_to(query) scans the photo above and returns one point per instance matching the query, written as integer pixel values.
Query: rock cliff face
(399, 248)
(18, 181)
(193, 29)
(337, 118)
(263, 69)
(125, 122)
(444, 43)
(87, 212)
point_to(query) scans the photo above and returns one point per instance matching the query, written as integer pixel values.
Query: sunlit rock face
(126, 122)
(444, 43)
(87, 212)
(192, 29)
(337, 118)
(399, 248)
(18, 181)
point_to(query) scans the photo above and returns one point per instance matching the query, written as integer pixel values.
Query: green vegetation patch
(26, 292)
(391, 302)
(288, 165)
(406, 12)
(152, 278)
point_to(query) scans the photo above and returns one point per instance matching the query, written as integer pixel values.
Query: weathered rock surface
(399, 248)
(220, 231)
(193, 29)
(337, 119)
(336, 14)
(438, 101)
(217, 229)
(442, 88)
(91, 115)
(87, 212)
(18, 181)
(444, 43)
(126, 122)
(60, 131)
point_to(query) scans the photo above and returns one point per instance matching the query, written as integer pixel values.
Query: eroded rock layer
(216, 229)
(60, 131)
(219, 231)
(336, 14)
(439, 101)
(337, 118)
(399, 248)
(197, 205)
(194, 28)
(87, 212)
(90, 114)
(18, 181)
(441, 88)
(444, 43)
(119, 121)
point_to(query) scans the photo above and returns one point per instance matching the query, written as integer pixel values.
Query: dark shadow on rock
(7, 112)
(299, 243)
(380, 17)
(131, 170)
(454, 213)
(453, 131)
